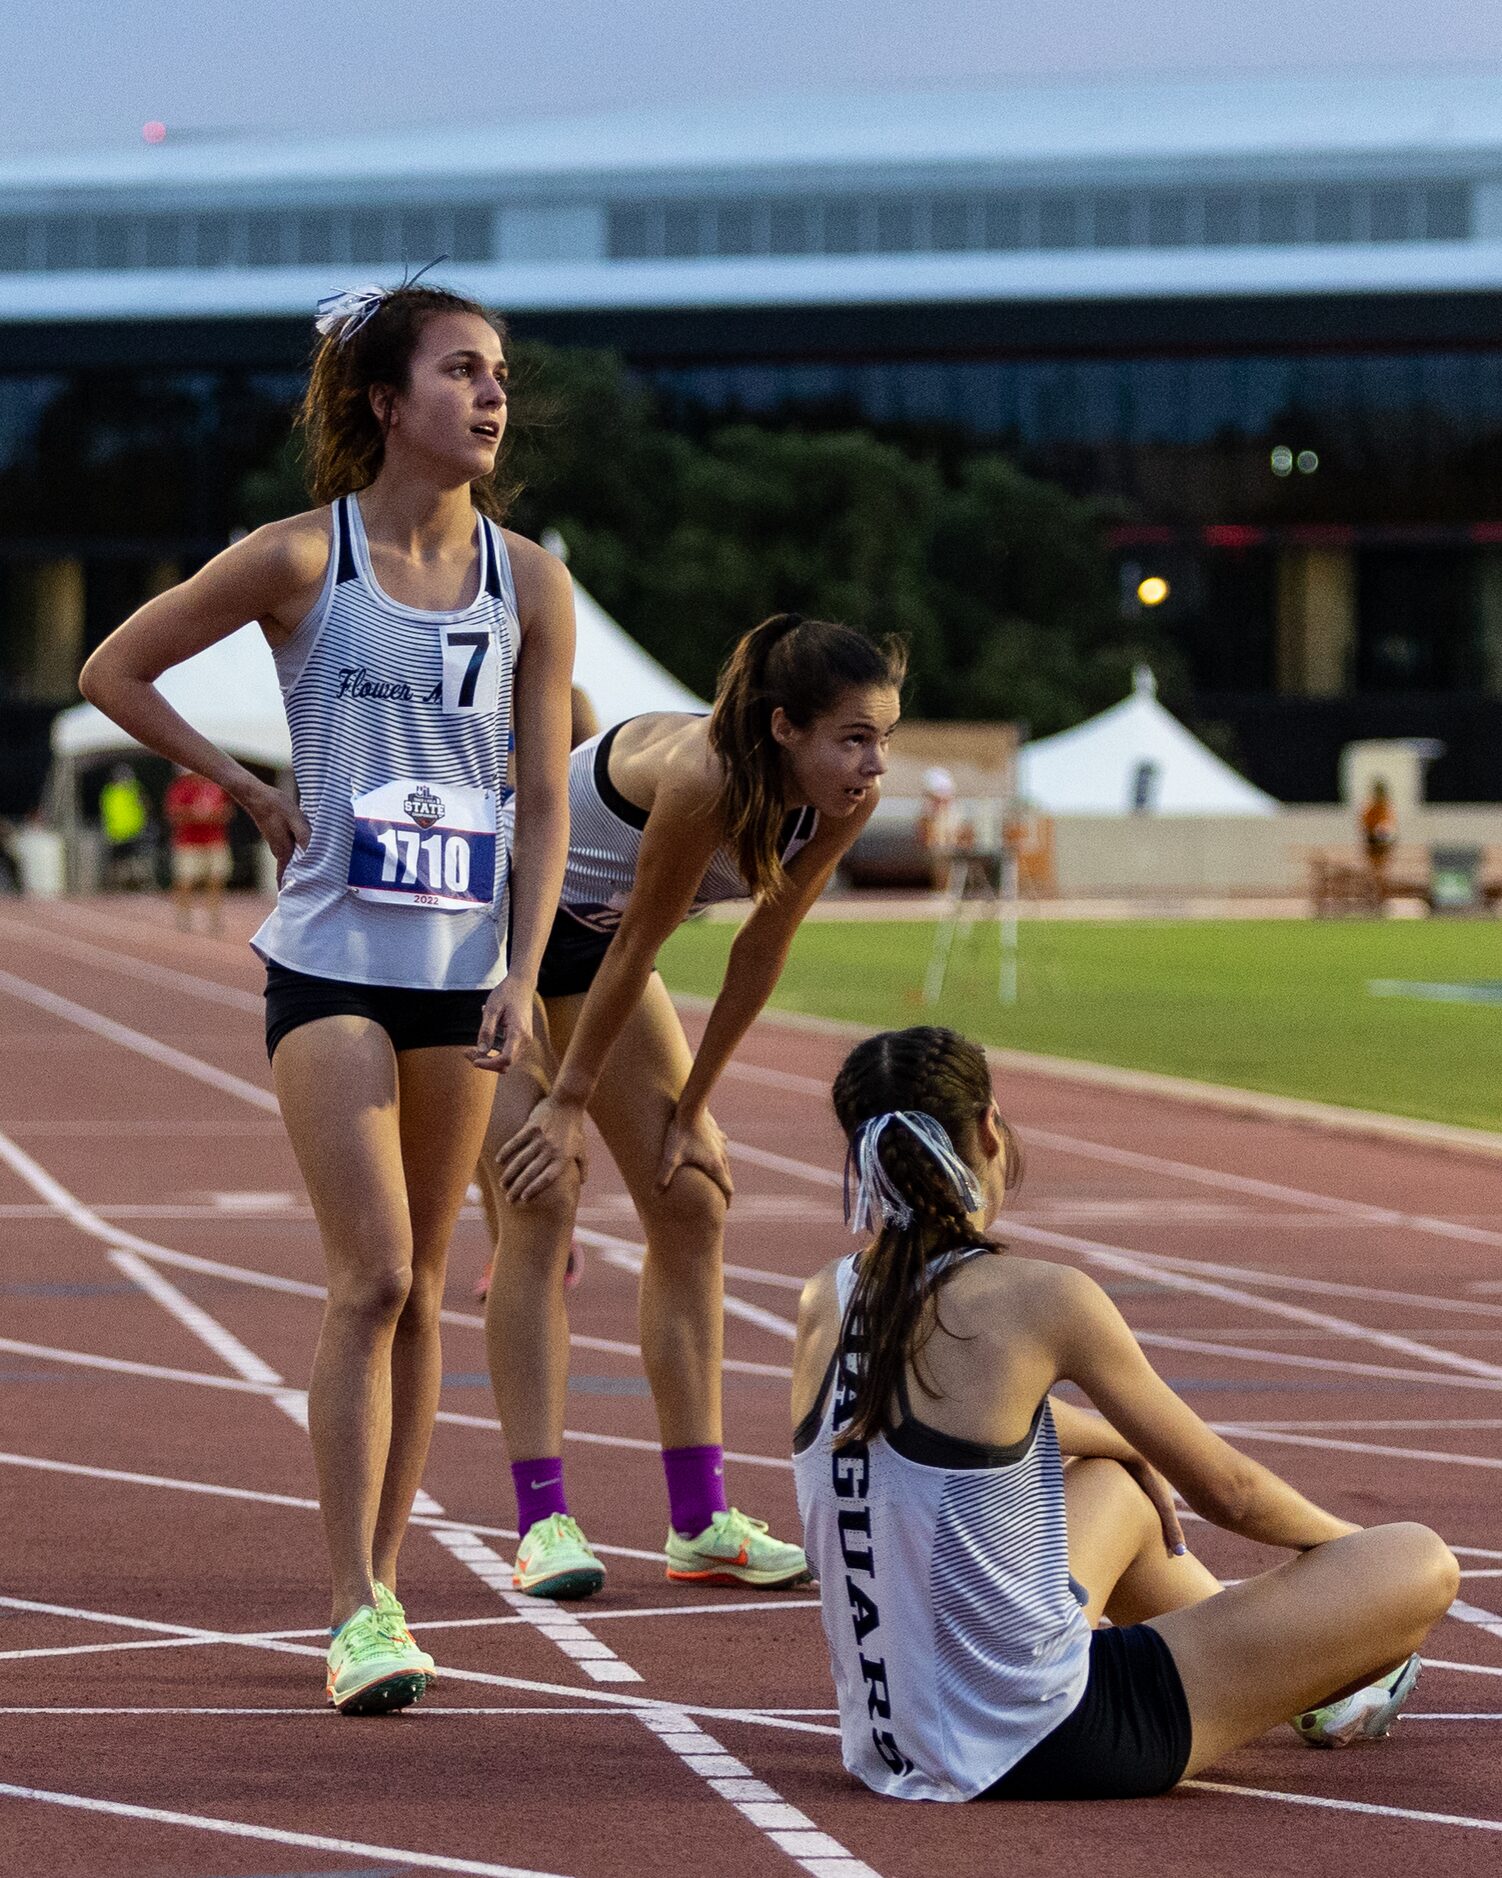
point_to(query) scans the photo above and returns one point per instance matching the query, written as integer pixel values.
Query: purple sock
(539, 1491)
(696, 1487)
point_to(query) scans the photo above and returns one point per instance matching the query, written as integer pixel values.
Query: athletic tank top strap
(343, 544)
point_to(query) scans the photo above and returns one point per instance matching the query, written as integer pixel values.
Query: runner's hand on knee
(696, 1141)
(537, 1153)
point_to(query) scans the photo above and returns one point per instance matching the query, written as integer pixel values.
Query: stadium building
(1263, 315)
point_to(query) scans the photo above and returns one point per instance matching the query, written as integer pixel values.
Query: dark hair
(345, 442)
(803, 665)
(944, 1075)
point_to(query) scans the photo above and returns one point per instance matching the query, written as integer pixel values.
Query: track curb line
(1254, 1104)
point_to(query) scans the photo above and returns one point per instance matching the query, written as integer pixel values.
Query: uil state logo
(424, 806)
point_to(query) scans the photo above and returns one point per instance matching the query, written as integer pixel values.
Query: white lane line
(112, 959)
(194, 1319)
(305, 1713)
(629, 1257)
(1368, 1807)
(137, 1040)
(294, 1401)
(261, 1640)
(560, 1627)
(790, 1830)
(1178, 1170)
(1413, 1424)
(1248, 1431)
(1290, 1359)
(1419, 1301)
(605, 1616)
(124, 1366)
(1124, 1259)
(1489, 1621)
(298, 1502)
(273, 1835)
(107, 1649)
(597, 1660)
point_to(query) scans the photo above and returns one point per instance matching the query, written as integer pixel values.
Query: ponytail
(909, 1102)
(802, 665)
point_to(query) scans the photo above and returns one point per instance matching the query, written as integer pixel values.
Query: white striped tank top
(400, 723)
(955, 1631)
(604, 844)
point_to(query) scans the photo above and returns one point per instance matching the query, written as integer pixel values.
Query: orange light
(1153, 591)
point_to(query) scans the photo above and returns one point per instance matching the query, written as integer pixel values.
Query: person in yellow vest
(125, 817)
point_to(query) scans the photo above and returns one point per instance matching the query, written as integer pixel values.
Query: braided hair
(941, 1075)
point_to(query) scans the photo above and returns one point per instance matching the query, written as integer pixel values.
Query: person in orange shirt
(198, 815)
(1379, 827)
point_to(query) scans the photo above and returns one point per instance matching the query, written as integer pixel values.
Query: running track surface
(1335, 1306)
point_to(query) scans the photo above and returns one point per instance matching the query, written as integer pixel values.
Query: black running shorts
(571, 958)
(1129, 1737)
(413, 1019)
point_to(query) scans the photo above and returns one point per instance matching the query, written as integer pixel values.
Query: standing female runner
(404, 622)
(668, 813)
(963, 1567)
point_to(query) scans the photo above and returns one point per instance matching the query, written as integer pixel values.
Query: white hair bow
(877, 1201)
(343, 314)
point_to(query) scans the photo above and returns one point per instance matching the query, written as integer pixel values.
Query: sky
(81, 73)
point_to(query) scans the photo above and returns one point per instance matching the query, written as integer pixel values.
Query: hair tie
(343, 314)
(878, 1202)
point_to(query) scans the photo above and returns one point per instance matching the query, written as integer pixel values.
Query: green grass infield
(1277, 1005)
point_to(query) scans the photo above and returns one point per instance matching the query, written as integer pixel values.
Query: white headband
(877, 1201)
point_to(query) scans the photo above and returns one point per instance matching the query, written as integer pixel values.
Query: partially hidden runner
(971, 1531)
(669, 814)
(408, 628)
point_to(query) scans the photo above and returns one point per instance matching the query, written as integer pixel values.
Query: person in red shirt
(198, 814)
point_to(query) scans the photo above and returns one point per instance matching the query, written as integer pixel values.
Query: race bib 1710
(424, 844)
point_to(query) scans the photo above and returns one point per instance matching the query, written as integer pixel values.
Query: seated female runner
(966, 1560)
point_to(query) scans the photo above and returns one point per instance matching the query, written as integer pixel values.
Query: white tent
(621, 679)
(1135, 756)
(230, 693)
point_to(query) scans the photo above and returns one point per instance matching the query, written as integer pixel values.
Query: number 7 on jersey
(471, 672)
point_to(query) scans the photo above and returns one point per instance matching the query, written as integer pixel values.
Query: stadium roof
(1382, 183)
(1276, 122)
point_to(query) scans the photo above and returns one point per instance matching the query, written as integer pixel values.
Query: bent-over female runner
(965, 1564)
(669, 813)
(405, 624)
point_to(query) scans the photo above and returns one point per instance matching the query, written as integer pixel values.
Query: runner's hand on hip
(284, 828)
(505, 1027)
(537, 1154)
(696, 1141)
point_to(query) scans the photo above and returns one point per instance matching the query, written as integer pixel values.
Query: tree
(1000, 582)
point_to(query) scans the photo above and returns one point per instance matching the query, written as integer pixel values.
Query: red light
(154, 131)
(1232, 535)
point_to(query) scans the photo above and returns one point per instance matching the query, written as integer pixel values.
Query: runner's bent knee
(689, 1214)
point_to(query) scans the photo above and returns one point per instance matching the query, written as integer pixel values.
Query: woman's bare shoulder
(540, 576)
